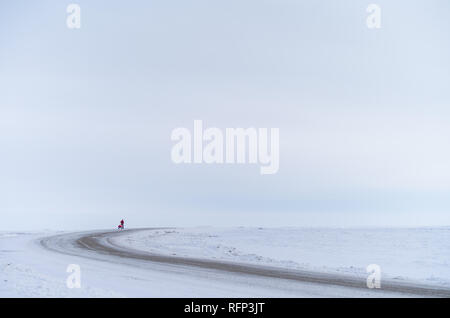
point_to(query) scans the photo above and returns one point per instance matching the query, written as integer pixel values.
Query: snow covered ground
(419, 254)
(27, 269)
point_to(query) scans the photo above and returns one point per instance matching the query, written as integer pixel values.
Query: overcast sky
(86, 114)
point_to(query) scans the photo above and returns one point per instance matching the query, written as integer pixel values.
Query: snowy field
(27, 269)
(421, 254)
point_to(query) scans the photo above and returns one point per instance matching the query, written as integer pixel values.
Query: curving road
(99, 246)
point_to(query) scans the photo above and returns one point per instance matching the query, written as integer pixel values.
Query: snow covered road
(113, 265)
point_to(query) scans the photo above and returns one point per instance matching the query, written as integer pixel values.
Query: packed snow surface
(27, 269)
(419, 254)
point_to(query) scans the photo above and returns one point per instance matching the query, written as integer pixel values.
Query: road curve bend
(99, 245)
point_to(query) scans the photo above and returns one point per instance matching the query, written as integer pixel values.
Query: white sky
(86, 115)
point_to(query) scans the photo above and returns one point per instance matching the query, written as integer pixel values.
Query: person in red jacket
(123, 224)
(119, 226)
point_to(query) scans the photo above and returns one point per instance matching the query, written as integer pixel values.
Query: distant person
(123, 224)
(119, 226)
